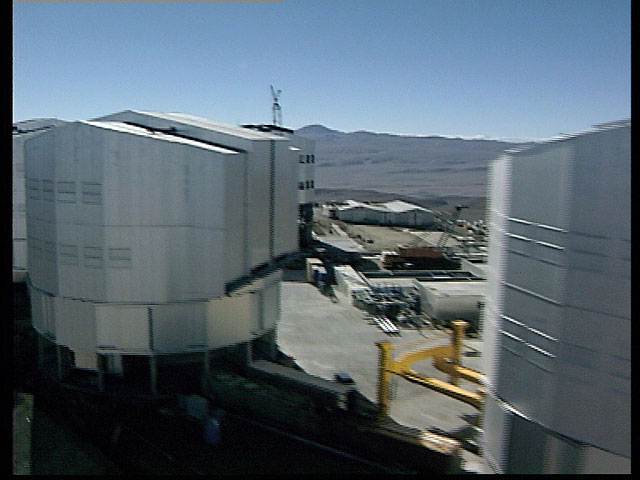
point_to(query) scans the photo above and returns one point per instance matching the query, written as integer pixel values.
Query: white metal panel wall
(595, 460)
(270, 305)
(236, 254)
(286, 202)
(598, 354)
(140, 208)
(422, 217)
(231, 319)
(178, 327)
(81, 261)
(206, 259)
(75, 324)
(452, 305)
(499, 188)
(19, 207)
(37, 312)
(562, 330)
(458, 307)
(497, 428)
(122, 327)
(258, 171)
(259, 204)
(41, 226)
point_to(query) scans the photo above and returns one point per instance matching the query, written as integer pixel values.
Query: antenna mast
(277, 111)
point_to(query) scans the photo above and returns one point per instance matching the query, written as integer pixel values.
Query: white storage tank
(557, 320)
(135, 236)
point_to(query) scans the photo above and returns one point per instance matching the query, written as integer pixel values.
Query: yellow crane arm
(453, 391)
(446, 358)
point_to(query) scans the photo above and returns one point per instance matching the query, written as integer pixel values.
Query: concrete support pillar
(153, 375)
(41, 351)
(248, 352)
(207, 367)
(100, 362)
(267, 345)
(113, 363)
(59, 360)
(456, 344)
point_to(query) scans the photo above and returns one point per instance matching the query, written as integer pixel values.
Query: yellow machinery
(446, 358)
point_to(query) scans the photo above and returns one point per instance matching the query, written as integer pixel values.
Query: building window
(301, 186)
(301, 158)
(312, 186)
(313, 159)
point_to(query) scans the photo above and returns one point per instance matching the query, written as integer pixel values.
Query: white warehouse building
(557, 319)
(395, 212)
(21, 132)
(153, 233)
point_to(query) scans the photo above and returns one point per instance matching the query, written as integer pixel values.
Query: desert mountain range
(430, 170)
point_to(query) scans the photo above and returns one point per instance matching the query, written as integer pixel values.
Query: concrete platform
(325, 337)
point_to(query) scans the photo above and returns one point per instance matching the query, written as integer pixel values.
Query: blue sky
(513, 69)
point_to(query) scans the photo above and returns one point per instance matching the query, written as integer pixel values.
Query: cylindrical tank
(557, 313)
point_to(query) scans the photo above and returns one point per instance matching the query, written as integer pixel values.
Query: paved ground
(384, 238)
(325, 337)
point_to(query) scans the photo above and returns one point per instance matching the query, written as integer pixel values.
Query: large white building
(21, 132)
(157, 233)
(558, 320)
(395, 212)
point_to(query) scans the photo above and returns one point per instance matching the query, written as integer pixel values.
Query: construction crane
(448, 227)
(276, 109)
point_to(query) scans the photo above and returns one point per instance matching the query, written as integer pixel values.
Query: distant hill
(421, 167)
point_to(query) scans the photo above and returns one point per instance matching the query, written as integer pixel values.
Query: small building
(154, 234)
(450, 300)
(395, 212)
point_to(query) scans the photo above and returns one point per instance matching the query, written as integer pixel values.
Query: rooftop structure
(558, 314)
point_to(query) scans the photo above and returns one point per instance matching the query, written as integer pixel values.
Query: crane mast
(275, 108)
(449, 227)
